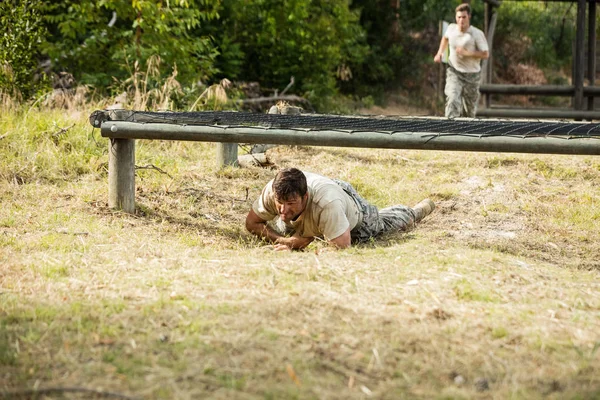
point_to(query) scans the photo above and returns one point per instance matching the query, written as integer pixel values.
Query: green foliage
(7, 353)
(311, 40)
(380, 23)
(47, 146)
(22, 31)
(536, 32)
(97, 40)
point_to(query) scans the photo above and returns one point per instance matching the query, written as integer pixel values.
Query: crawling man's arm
(258, 226)
(343, 241)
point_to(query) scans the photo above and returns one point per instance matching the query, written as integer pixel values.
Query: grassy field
(494, 295)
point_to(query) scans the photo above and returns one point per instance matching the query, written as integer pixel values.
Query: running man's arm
(475, 53)
(442, 49)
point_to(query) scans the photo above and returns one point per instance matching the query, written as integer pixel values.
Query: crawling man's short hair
(289, 183)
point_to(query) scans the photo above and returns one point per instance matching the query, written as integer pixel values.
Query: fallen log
(291, 98)
(254, 160)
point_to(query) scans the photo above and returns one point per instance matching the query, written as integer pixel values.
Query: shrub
(22, 32)
(98, 41)
(311, 40)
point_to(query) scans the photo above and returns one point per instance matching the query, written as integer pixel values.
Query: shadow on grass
(222, 228)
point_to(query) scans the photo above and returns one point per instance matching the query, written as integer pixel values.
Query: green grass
(499, 286)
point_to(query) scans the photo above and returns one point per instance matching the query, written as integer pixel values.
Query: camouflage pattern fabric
(377, 222)
(462, 93)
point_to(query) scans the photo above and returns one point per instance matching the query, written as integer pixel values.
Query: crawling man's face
(289, 209)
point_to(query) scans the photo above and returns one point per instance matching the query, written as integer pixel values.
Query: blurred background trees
(357, 49)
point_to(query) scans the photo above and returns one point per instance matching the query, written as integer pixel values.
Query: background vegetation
(358, 48)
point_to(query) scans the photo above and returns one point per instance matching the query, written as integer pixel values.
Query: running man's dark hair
(289, 183)
(464, 7)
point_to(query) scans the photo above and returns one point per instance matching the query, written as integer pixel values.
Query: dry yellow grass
(495, 295)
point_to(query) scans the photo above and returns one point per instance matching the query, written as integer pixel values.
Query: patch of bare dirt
(480, 212)
(491, 214)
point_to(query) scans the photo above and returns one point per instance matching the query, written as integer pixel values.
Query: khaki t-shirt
(329, 211)
(472, 40)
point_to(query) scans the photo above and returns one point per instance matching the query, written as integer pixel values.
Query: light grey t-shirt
(472, 40)
(329, 211)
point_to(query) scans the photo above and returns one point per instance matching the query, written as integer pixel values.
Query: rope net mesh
(384, 125)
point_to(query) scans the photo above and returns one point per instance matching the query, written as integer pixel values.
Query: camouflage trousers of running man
(462, 93)
(377, 222)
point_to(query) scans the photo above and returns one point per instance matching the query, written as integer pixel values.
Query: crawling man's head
(290, 191)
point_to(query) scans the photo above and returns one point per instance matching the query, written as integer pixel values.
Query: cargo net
(385, 125)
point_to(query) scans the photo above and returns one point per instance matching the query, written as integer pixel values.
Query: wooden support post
(486, 18)
(578, 64)
(591, 51)
(227, 154)
(487, 70)
(121, 174)
(440, 88)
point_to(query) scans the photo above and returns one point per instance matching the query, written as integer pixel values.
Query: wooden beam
(578, 65)
(487, 64)
(550, 90)
(227, 155)
(537, 114)
(121, 174)
(440, 88)
(591, 51)
(274, 99)
(541, 90)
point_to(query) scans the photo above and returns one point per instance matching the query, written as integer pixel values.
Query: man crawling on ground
(305, 206)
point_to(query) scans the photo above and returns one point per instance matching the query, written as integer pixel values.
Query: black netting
(384, 125)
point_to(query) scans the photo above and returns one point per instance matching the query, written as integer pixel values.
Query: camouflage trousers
(377, 222)
(462, 93)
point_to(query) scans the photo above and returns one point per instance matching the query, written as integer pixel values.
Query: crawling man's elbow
(343, 241)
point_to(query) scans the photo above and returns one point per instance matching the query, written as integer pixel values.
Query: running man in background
(468, 46)
(305, 206)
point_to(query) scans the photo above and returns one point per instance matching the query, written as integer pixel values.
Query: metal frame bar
(339, 138)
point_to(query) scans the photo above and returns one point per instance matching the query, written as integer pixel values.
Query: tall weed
(52, 145)
(146, 90)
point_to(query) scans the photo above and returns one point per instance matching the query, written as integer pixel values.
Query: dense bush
(272, 40)
(536, 32)
(22, 31)
(100, 41)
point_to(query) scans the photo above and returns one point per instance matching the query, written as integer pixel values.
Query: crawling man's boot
(423, 209)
